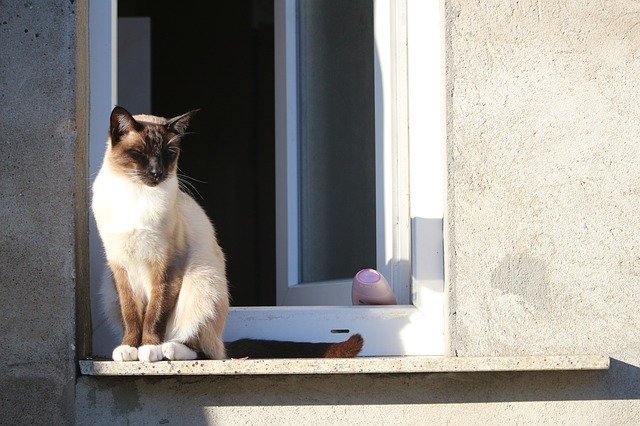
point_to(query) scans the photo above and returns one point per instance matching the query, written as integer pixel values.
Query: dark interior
(218, 56)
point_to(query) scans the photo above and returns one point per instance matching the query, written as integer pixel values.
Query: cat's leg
(201, 311)
(165, 287)
(210, 335)
(175, 351)
(127, 351)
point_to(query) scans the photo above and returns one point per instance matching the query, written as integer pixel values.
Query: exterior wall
(543, 192)
(544, 247)
(38, 140)
(541, 233)
(419, 399)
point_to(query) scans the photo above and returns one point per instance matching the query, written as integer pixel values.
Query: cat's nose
(155, 169)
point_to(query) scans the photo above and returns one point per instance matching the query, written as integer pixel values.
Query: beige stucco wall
(470, 399)
(544, 180)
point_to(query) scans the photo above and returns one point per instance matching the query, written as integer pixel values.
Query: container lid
(368, 276)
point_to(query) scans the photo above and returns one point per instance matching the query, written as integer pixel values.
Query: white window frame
(409, 90)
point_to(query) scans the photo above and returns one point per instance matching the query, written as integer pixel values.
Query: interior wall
(218, 56)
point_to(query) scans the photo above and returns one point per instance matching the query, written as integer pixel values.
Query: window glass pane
(337, 146)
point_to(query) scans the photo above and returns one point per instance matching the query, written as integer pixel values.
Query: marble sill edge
(359, 365)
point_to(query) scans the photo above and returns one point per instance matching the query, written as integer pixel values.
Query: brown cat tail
(253, 348)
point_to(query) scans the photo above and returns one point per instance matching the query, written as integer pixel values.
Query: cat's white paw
(125, 353)
(174, 351)
(150, 353)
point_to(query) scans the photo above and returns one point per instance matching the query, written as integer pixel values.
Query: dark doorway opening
(218, 56)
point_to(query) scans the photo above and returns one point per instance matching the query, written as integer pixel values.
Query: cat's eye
(137, 155)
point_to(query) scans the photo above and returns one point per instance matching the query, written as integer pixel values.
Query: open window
(346, 173)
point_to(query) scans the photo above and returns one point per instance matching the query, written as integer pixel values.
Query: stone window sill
(360, 365)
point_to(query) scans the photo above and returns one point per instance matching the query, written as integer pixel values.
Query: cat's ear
(180, 123)
(121, 123)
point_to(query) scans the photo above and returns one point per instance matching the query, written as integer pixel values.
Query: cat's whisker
(187, 191)
(184, 179)
(184, 188)
(135, 176)
(185, 184)
(185, 176)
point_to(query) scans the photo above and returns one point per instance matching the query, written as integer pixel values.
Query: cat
(168, 287)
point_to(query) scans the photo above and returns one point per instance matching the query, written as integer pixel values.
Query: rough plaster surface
(543, 176)
(471, 398)
(543, 183)
(37, 139)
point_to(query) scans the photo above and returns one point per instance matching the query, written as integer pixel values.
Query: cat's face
(146, 151)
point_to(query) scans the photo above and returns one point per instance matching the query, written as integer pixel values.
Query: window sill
(361, 365)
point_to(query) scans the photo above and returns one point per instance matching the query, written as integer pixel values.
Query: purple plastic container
(371, 288)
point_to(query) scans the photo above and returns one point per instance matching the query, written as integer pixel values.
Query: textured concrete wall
(544, 185)
(37, 236)
(418, 399)
(544, 189)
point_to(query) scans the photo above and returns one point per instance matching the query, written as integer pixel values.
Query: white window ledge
(361, 365)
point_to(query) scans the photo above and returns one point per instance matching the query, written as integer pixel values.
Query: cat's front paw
(174, 351)
(150, 353)
(125, 353)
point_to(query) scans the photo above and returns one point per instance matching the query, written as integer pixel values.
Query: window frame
(412, 329)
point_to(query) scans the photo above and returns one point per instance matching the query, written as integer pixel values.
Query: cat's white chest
(134, 220)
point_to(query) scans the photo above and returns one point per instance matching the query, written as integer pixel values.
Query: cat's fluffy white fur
(136, 222)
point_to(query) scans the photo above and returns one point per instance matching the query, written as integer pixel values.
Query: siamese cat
(168, 286)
